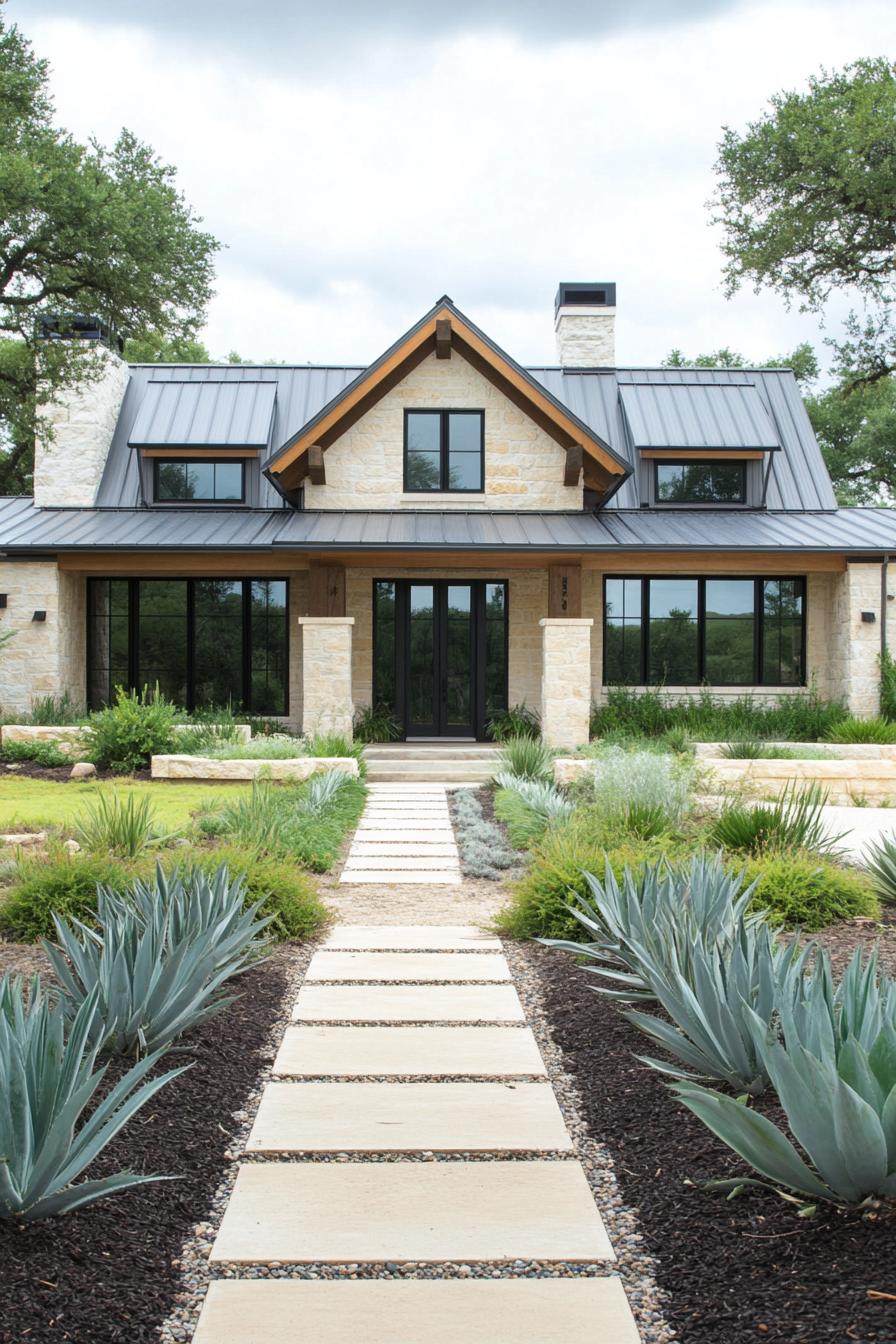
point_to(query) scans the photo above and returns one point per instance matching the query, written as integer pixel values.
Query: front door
(440, 654)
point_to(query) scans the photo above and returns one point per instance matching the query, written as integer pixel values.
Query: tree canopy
(83, 229)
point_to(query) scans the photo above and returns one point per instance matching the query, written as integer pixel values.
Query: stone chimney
(585, 323)
(69, 463)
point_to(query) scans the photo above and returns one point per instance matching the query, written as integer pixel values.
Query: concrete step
(430, 771)
(443, 751)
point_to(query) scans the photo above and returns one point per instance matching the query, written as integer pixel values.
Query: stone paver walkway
(362, 1158)
(404, 836)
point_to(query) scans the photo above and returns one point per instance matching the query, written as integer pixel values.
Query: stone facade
(586, 337)
(43, 657)
(565, 683)
(853, 645)
(327, 705)
(523, 465)
(68, 466)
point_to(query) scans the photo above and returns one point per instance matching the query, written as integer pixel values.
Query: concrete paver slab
(398, 966)
(429, 876)
(418, 937)
(400, 849)
(335, 1212)
(408, 1003)
(500, 1052)
(407, 1118)
(406, 1311)
(398, 863)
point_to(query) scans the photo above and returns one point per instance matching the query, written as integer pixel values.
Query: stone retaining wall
(207, 767)
(846, 751)
(844, 780)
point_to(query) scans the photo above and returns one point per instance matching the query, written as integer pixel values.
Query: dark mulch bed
(103, 1275)
(62, 773)
(841, 940)
(736, 1271)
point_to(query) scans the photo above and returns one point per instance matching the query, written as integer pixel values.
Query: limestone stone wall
(851, 669)
(68, 466)
(586, 337)
(205, 767)
(327, 705)
(527, 603)
(523, 465)
(565, 694)
(42, 657)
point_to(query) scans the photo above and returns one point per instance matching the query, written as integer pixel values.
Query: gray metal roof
(697, 415)
(799, 478)
(26, 529)
(218, 413)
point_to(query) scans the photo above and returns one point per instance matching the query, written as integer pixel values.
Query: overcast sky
(359, 160)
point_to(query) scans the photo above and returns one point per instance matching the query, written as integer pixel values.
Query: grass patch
(44, 802)
(274, 820)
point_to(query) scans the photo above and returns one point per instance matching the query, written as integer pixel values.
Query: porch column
(566, 681)
(327, 675)
(855, 644)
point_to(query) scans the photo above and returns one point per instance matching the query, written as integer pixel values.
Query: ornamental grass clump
(121, 825)
(50, 1131)
(515, 721)
(795, 821)
(832, 1062)
(525, 758)
(158, 958)
(875, 731)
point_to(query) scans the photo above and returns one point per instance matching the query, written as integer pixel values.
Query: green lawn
(43, 802)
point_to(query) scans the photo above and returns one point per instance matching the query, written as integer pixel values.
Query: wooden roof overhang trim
(201, 454)
(704, 454)
(443, 331)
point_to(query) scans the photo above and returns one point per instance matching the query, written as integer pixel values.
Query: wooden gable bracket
(575, 461)
(317, 472)
(443, 338)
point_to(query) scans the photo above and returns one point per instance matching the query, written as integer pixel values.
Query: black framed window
(700, 482)
(722, 631)
(204, 641)
(444, 451)
(203, 481)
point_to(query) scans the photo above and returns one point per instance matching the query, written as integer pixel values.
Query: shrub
(525, 757)
(208, 728)
(288, 894)
(809, 893)
(795, 821)
(516, 721)
(155, 964)
(46, 754)
(48, 1082)
(334, 745)
(862, 730)
(528, 806)
(834, 1069)
(54, 710)
(484, 852)
(125, 826)
(376, 723)
(642, 790)
(273, 748)
(887, 686)
(64, 884)
(539, 905)
(124, 735)
(650, 713)
(880, 861)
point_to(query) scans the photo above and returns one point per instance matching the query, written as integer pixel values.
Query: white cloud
(488, 166)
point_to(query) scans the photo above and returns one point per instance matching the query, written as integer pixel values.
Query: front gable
(458, 362)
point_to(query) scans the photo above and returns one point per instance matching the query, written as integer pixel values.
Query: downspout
(884, 569)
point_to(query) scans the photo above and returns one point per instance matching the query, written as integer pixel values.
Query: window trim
(758, 628)
(205, 500)
(444, 414)
(699, 503)
(133, 620)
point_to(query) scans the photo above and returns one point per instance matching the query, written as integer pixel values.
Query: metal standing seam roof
(697, 415)
(26, 529)
(217, 413)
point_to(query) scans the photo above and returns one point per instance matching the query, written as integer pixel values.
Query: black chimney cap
(77, 327)
(585, 294)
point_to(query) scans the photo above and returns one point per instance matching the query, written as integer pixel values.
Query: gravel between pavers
(636, 1267)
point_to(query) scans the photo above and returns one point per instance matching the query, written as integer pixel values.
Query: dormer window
(443, 451)
(199, 481)
(700, 482)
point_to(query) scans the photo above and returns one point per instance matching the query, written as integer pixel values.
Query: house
(443, 532)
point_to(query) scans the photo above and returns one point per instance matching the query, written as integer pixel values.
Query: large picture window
(443, 450)
(718, 631)
(203, 641)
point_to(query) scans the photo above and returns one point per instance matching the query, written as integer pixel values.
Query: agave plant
(47, 1083)
(322, 789)
(834, 1069)
(158, 959)
(880, 861)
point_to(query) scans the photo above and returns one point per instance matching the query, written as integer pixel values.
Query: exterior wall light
(39, 616)
(2, 600)
(869, 617)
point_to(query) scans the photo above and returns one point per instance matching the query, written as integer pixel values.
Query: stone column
(69, 461)
(855, 641)
(327, 675)
(46, 656)
(565, 681)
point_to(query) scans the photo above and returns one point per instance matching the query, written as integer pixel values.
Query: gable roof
(443, 330)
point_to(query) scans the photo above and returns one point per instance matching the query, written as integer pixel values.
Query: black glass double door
(440, 654)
